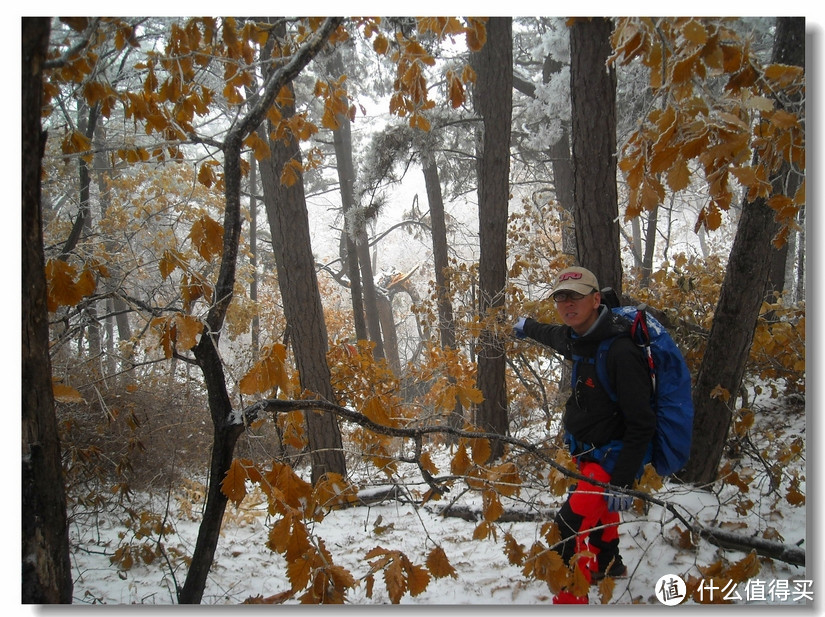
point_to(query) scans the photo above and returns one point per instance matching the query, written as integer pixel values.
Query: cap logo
(569, 275)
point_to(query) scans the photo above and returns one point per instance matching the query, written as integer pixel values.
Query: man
(610, 441)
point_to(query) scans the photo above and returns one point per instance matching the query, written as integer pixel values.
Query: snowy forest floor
(651, 542)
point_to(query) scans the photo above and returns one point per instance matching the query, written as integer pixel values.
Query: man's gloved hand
(518, 329)
(618, 502)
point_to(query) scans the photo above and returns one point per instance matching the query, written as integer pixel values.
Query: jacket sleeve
(552, 335)
(634, 390)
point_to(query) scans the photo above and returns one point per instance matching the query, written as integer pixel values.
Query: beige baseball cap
(576, 279)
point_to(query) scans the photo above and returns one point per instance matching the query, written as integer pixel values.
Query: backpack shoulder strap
(601, 367)
(600, 362)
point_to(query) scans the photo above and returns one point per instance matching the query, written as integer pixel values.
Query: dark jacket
(590, 416)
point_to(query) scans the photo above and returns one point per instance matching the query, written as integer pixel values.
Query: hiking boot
(616, 570)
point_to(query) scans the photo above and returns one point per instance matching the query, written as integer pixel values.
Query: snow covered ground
(245, 568)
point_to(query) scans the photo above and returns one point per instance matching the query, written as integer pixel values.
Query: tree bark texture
(355, 226)
(46, 568)
(255, 330)
(789, 48)
(493, 98)
(346, 181)
(446, 327)
(593, 97)
(298, 281)
(734, 323)
(389, 334)
(292, 244)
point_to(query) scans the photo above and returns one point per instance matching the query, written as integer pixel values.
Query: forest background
(137, 365)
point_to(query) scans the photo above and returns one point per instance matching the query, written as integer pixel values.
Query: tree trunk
(116, 305)
(737, 312)
(362, 248)
(800, 268)
(636, 242)
(650, 245)
(789, 48)
(493, 98)
(356, 227)
(224, 438)
(593, 97)
(224, 435)
(255, 328)
(389, 334)
(289, 224)
(46, 568)
(446, 327)
(349, 253)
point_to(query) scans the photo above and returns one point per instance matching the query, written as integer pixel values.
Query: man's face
(578, 311)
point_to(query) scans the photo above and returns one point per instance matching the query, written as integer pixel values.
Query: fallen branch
(793, 555)
(472, 514)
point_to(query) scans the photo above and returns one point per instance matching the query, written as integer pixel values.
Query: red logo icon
(569, 275)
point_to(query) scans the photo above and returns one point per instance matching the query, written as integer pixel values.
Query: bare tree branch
(766, 548)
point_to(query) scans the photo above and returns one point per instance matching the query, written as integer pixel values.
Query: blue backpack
(670, 377)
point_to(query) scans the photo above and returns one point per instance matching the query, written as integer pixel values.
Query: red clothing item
(586, 525)
(588, 501)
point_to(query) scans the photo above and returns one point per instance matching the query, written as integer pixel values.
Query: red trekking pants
(586, 524)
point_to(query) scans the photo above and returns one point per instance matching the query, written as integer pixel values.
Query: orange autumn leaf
(795, 497)
(75, 142)
(66, 394)
(455, 89)
(234, 482)
(291, 173)
(426, 462)
(461, 461)
(171, 259)
(678, 176)
(259, 146)
(299, 572)
(606, 587)
(469, 395)
(207, 237)
(395, 582)
(491, 508)
(279, 533)
(187, 329)
(376, 410)
(332, 490)
(417, 579)
(438, 564)
(269, 372)
(206, 175)
(293, 490)
(514, 551)
(64, 287)
(292, 429)
(481, 450)
(381, 45)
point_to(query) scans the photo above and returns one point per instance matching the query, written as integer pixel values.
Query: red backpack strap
(640, 333)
